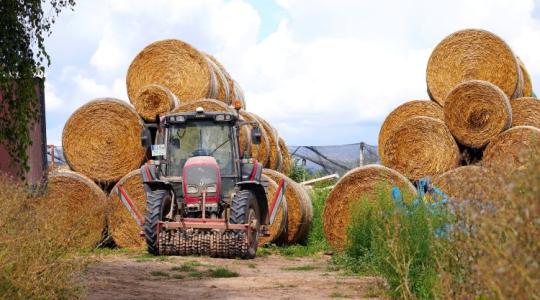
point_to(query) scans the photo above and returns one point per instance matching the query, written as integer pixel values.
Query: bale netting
(86, 203)
(102, 140)
(173, 64)
(212, 105)
(223, 84)
(280, 223)
(527, 84)
(260, 152)
(299, 208)
(472, 54)
(274, 159)
(287, 159)
(475, 111)
(420, 147)
(125, 224)
(154, 100)
(471, 183)
(367, 182)
(525, 111)
(405, 111)
(512, 150)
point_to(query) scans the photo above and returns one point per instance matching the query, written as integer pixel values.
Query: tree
(23, 28)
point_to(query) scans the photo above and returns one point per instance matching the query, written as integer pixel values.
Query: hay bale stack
(299, 208)
(287, 159)
(475, 111)
(87, 205)
(527, 84)
(223, 79)
(525, 112)
(421, 146)
(472, 183)
(512, 149)
(211, 105)
(102, 140)
(154, 100)
(123, 228)
(407, 110)
(238, 93)
(357, 184)
(173, 64)
(280, 223)
(274, 160)
(261, 152)
(472, 54)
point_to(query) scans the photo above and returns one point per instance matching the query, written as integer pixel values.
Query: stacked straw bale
(511, 150)
(421, 146)
(299, 208)
(527, 84)
(525, 112)
(355, 186)
(275, 159)
(102, 140)
(261, 151)
(86, 203)
(287, 159)
(154, 100)
(280, 223)
(472, 54)
(475, 111)
(471, 183)
(122, 227)
(404, 112)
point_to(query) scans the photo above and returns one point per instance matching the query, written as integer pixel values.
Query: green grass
(338, 295)
(184, 268)
(178, 276)
(196, 274)
(301, 268)
(159, 274)
(252, 266)
(222, 272)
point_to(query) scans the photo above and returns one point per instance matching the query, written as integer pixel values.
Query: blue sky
(322, 72)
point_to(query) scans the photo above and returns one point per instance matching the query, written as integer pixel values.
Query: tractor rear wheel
(245, 210)
(158, 204)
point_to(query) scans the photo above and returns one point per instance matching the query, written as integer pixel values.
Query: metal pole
(361, 160)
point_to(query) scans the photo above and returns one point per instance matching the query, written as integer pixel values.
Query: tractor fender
(258, 190)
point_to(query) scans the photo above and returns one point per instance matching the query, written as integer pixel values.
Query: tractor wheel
(157, 205)
(245, 210)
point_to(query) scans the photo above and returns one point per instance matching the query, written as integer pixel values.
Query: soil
(139, 276)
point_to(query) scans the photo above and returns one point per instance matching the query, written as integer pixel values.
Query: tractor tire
(244, 209)
(155, 201)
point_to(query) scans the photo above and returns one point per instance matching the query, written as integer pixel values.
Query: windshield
(202, 138)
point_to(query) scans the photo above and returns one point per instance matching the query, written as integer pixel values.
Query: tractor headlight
(191, 189)
(211, 188)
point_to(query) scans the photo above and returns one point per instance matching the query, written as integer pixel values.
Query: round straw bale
(512, 149)
(299, 209)
(122, 226)
(471, 54)
(211, 105)
(224, 91)
(421, 146)
(153, 100)
(527, 84)
(275, 159)
(405, 111)
(356, 185)
(287, 159)
(173, 64)
(280, 223)
(102, 140)
(238, 93)
(261, 152)
(86, 203)
(473, 183)
(475, 111)
(525, 111)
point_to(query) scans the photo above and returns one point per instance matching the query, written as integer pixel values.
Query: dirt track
(129, 276)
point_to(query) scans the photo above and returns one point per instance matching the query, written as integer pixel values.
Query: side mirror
(256, 135)
(146, 138)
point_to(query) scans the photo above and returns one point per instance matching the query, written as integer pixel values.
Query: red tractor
(202, 197)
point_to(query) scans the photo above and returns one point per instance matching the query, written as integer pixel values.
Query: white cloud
(329, 74)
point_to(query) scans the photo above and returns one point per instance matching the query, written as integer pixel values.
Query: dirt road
(139, 276)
